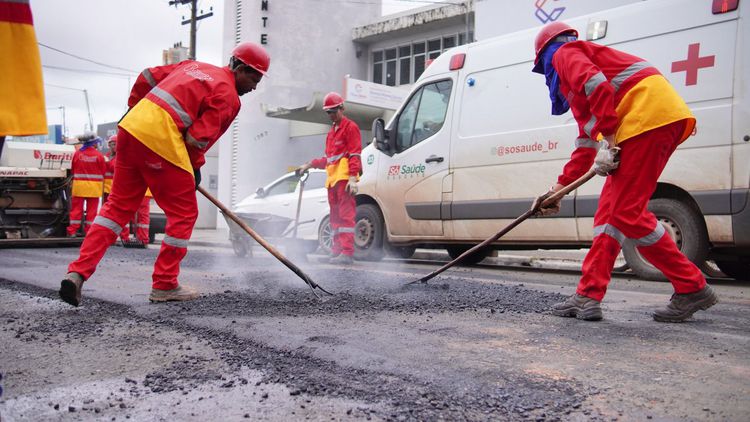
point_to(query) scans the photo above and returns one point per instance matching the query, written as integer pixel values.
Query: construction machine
(35, 193)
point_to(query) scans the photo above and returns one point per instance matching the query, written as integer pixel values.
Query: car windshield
(285, 185)
(316, 180)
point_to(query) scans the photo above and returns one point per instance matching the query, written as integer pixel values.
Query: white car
(272, 209)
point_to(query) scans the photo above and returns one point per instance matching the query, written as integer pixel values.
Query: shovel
(559, 194)
(306, 278)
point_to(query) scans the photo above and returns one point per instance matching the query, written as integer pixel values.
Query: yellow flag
(22, 110)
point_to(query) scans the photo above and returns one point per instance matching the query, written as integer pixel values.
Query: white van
(475, 142)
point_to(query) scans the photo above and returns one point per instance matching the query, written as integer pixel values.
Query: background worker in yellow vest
(88, 168)
(343, 165)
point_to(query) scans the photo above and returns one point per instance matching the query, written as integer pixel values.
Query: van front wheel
(683, 224)
(369, 230)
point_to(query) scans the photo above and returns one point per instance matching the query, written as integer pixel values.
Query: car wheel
(368, 233)
(475, 258)
(325, 237)
(240, 248)
(739, 269)
(683, 224)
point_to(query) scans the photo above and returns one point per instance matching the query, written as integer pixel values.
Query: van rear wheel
(369, 230)
(683, 224)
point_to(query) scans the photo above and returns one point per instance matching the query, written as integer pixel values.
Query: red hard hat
(252, 55)
(112, 138)
(331, 100)
(548, 33)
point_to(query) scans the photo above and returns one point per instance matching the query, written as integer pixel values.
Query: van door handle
(433, 159)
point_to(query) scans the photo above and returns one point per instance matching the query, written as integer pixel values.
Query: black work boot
(683, 306)
(578, 306)
(70, 288)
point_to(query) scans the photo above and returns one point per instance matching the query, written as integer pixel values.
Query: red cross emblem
(691, 65)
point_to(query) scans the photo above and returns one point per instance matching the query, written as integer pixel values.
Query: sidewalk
(567, 259)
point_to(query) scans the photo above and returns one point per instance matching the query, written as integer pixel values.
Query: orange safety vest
(343, 152)
(88, 168)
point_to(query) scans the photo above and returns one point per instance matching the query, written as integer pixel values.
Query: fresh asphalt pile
(394, 396)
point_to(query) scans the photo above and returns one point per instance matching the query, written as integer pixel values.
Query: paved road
(477, 344)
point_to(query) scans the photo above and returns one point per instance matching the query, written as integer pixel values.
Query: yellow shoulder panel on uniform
(155, 129)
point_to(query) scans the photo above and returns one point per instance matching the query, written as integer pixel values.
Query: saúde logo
(406, 170)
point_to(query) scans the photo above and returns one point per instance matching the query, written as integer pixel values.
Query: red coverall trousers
(343, 209)
(622, 213)
(141, 219)
(76, 213)
(173, 188)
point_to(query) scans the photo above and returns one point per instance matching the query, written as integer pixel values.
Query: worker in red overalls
(343, 166)
(109, 176)
(141, 221)
(177, 112)
(110, 172)
(88, 168)
(624, 104)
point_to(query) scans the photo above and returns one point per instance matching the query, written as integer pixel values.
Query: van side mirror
(260, 192)
(380, 135)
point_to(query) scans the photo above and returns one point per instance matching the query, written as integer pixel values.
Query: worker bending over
(640, 119)
(177, 112)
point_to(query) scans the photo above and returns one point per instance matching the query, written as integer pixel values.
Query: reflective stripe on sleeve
(586, 143)
(594, 82)
(106, 222)
(652, 237)
(175, 242)
(611, 231)
(196, 143)
(172, 102)
(149, 77)
(588, 127)
(630, 71)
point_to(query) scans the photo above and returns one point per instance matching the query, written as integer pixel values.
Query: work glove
(351, 185)
(550, 209)
(197, 174)
(607, 160)
(302, 169)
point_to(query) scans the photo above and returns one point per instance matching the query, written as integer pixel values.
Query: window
(423, 115)
(285, 185)
(390, 67)
(404, 64)
(315, 180)
(377, 67)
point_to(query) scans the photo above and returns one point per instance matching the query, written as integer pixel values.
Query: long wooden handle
(301, 274)
(553, 198)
